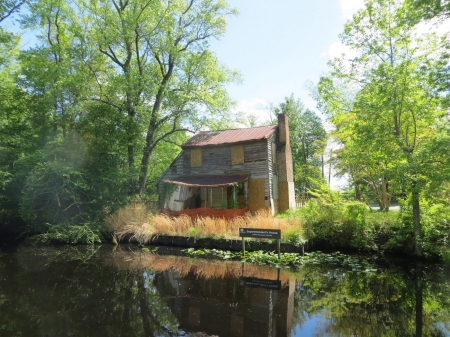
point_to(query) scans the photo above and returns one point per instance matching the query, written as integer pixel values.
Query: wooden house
(228, 173)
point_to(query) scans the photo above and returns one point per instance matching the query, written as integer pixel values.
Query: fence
(301, 201)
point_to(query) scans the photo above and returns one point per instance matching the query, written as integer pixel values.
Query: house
(230, 172)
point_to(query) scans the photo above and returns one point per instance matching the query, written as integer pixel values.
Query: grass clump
(71, 234)
(135, 222)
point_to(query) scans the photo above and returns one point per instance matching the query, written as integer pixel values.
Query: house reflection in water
(225, 307)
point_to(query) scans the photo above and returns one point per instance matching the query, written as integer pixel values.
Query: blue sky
(279, 46)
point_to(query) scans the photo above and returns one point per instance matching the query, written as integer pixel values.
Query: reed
(134, 222)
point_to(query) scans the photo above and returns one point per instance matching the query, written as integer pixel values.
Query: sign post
(260, 233)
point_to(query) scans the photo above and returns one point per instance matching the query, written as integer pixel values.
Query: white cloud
(350, 7)
(434, 26)
(256, 106)
(336, 49)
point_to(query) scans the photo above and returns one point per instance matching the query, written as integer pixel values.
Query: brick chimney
(286, 189)
(283, 128)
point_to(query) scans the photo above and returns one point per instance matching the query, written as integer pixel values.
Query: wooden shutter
(196, 157)
(237, 154)
(256, 194)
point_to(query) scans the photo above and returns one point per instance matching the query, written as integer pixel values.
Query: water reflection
(98, 291)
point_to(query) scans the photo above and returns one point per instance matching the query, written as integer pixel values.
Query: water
(101, 291)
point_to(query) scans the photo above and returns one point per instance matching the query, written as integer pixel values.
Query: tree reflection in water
(70, 291)
(82, 291)
(412, 300)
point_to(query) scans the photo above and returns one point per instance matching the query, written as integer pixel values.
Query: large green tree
(156, 69)
(397, 114)
(99, 104)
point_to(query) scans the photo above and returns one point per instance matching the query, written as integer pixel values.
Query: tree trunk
(145, 163)
(357, 192)
(329, 168)
(381, 192)
(323, 167)
(385, 195)
(152, 128)
(418, 251)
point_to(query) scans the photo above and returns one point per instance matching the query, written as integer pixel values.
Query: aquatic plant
(288, 260)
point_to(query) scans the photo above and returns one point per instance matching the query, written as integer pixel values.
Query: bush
(71, 234)
(436, 230)
(360, 231)
(330, 218)
(293, 235)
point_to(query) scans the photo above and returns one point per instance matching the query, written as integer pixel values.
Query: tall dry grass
(134, 214)
(134, 222)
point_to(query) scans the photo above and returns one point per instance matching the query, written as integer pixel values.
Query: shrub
(360, 231)
(436, 230)
(435, 220)
(330, 218)
(71, 234)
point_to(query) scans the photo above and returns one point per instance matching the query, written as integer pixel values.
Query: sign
(260, 233)
(258, 282)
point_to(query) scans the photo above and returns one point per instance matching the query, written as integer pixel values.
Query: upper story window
(196, 157)
(237, 154)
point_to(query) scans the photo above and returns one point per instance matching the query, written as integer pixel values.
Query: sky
(281, 48)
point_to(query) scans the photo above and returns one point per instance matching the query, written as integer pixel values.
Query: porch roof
(208, 180)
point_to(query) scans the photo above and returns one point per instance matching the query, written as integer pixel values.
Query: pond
(126, 291)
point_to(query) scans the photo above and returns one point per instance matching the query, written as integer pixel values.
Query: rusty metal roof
(207, 138)
(208, 180)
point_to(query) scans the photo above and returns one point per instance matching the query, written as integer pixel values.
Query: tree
(398, 109)
(157, 69)
(101, 103)
(9, 7)
(427, 9)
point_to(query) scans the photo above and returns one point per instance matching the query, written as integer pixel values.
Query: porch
(223, 196)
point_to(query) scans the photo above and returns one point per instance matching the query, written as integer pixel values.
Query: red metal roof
(208, 180)
(205, 138)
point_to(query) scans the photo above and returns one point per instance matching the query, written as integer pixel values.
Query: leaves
(397, 108)
(289, 259)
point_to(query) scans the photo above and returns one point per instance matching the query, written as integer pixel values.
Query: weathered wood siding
(173, 171)
(218, 160)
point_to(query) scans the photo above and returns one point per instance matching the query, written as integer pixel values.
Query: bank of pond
(131, 290)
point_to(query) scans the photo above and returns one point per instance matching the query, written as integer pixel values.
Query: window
(237, 154)
(196, 157)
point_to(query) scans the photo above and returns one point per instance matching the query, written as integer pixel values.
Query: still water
(124, 291)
